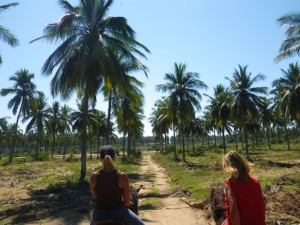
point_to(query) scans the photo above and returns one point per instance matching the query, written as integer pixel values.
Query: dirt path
(172, 210)
(161, 207)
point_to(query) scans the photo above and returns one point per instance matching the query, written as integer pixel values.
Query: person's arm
(93, 182)
(234, 211)
(124, 184)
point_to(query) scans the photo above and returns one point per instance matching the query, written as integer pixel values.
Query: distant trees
(23, 92)
(98, 54)
(38, 117)
(247, 100)
(183, 93)
(220, 109)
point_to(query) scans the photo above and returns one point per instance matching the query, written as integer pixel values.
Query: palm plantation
(290, 92)
(182, 87)
(98, 55)
(87, 35)
(220, 108)
(23, 91)
(38, 117)
(247, 100)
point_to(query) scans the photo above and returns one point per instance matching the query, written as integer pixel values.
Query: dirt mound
(283, 207)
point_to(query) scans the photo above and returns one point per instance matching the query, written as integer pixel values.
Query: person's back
(110, 189)
(108, 193)
(243, 198)
(249, 200)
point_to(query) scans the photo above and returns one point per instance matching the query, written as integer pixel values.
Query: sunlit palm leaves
(23, 92)
(247, 100)
(291, 45)
(5, 35)
(89, 43)
(183, 91)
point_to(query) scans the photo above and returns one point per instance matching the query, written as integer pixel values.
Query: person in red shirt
(244, 200)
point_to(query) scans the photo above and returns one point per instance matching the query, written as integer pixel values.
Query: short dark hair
(107, 150)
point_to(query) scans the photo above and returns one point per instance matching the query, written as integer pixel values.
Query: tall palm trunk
(165, 150)
(183, 148)
(215, 137)
(224, 142)
(193, 143)
(124, 139)
(287, 135)
(12, 150)
(37, 147)
(268, 137)
(84, 135)
(174, 135)
(64, 145)
(236, 139)
(91, 149)
(246, 141)
(129, 144)
(53, 142)
(108, 118)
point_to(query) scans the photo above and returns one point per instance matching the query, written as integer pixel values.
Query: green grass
(272, 167)
(44, 184)
(151, 199)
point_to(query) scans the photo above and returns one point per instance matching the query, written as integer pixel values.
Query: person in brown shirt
(110, 189)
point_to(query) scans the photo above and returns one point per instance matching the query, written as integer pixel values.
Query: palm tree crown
(291, 45)
(91, 42)
(288, 87)
(5, 34)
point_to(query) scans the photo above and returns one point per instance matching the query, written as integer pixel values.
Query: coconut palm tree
(246, 99)
(183, 87)
(128, 108)
(64, 125)
(87, 34)
(100, 127)
(291, 45)
(3, 130)
(161, 121)
(39, 115)
(23, 91)
(3, 124)
(220, 107)
(289, 85)
(5, 34)
(267, 119)
(116, 84)
(54, 123)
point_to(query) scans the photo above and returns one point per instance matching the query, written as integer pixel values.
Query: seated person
(243, 196)
(110, 189)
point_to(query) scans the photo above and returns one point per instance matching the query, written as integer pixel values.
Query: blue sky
(211, 36)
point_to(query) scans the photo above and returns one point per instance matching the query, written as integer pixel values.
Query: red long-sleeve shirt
(249, 200)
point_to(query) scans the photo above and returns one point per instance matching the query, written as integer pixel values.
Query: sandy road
(173, 210)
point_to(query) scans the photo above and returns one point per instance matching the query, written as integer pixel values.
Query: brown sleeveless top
(108, 193)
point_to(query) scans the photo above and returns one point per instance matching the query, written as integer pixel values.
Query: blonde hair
(108, 162)
(237, 166)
